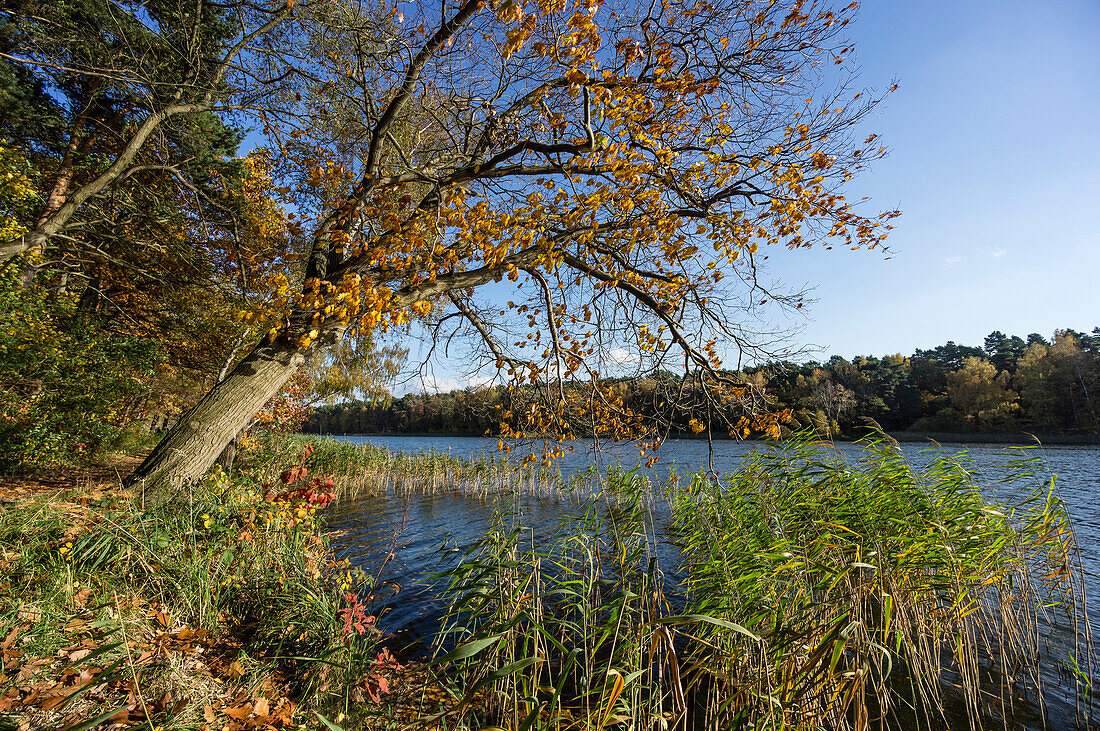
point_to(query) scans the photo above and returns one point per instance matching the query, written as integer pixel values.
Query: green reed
(369, 470)
(881, 595)
(811, 593)
(563, 633)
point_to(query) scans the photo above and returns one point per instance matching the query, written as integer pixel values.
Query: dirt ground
(14, 488)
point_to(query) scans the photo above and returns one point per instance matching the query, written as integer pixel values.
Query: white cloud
(952, 260)
(439, 384)
(997, 252)
(622, 356)
(430, 383)
(479, 381)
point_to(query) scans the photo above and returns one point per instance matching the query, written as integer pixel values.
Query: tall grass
(562, 634)
(221, 584)
(369, 470)
(811, 593)
(881, 595)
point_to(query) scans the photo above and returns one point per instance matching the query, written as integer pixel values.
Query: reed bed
(810, 593)
(364, 470)
(562, 633)
(879, 596)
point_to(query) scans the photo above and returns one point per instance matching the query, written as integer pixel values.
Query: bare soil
(16, 488)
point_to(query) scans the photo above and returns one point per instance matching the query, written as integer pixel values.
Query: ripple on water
(400, 539)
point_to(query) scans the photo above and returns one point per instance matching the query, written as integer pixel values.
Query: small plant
(106, 605)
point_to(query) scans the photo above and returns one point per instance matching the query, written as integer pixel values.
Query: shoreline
(1024, 438)
(246, 577)
(1018, 438)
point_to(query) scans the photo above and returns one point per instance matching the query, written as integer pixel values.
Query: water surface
(412, 530)
(1075, 469)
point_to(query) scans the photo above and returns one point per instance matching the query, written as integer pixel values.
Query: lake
(415, 528)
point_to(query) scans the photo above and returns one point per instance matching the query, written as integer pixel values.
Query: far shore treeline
(1007, 386)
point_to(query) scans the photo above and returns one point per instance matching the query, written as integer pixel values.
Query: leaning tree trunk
(201, 434)
(228, 455)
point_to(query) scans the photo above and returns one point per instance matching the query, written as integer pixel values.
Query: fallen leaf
(10, 639)
(284, 710)
(79, 655)
(56, 699)
(81, 597)
(30, 614)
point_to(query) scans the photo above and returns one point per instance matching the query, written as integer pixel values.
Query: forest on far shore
(1010, 384)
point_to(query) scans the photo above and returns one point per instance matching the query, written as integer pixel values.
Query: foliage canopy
(620, 165)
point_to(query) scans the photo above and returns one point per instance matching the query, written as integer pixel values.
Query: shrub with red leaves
(318, 492)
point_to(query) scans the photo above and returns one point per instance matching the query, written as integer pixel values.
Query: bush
(68, 391)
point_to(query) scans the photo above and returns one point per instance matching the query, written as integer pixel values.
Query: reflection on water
(402, 539)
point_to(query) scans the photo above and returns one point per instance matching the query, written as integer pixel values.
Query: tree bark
(88, 305)
(228, 456)
(201, 434)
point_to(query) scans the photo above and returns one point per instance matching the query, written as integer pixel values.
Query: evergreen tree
(1004, 351)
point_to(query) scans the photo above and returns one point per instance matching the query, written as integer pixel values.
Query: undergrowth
(221, 609)
(802, 592)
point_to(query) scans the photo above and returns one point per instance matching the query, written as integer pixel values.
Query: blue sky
(994, 138)
(995, 163)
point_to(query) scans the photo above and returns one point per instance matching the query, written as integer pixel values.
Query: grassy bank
(221, 609)
(809, 593)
